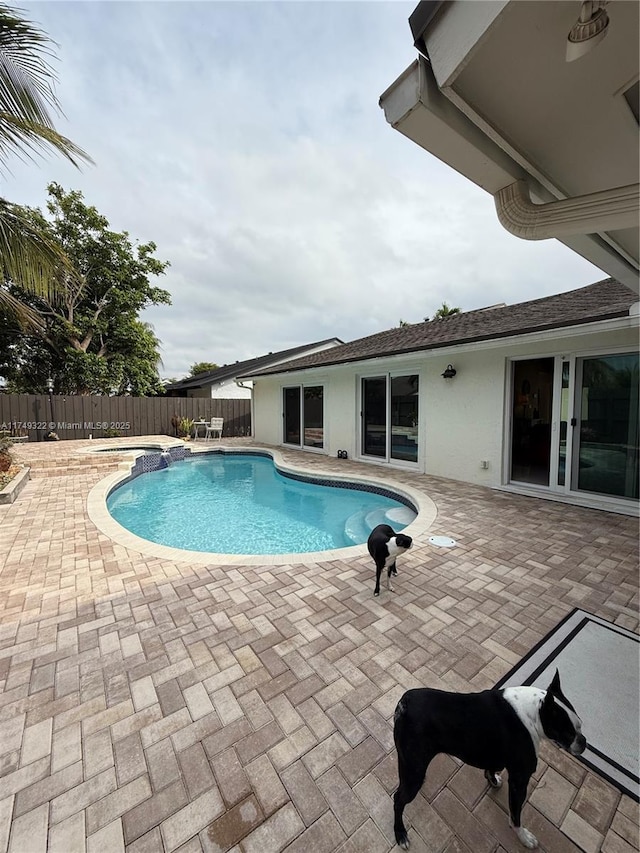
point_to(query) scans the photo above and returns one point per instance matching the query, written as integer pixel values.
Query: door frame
(388, 459)
(301, 388)
(568, 489)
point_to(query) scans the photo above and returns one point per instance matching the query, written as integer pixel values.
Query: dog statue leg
(517, 795)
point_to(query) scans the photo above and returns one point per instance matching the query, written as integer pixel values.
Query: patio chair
(213, 427)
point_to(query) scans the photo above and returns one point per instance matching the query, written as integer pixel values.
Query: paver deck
(151, 706)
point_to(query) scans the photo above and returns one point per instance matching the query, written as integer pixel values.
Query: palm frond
(26, 91)
(27, 256)
(22, 136)
(24, 315)
(25, 55)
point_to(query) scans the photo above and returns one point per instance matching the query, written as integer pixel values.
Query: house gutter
(587, 214)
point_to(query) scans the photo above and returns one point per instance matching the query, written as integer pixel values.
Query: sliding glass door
(303, 416)
(390, 417)
(291, 415)
(532, 395)
(374, 416)
(313, 416)
(605, 459)
(575, 424)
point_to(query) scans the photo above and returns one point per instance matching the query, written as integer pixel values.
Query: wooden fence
(80, 417)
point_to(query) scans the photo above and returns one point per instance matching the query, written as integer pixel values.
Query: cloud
(246, 141)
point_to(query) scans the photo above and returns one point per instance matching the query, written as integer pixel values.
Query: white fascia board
(415, 106)
(593, 248)
(456, 32)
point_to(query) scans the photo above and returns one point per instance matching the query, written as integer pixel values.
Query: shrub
(185, 425)
(6, 457)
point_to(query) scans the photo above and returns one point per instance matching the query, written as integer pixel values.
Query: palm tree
(444, 311)
(27, 256)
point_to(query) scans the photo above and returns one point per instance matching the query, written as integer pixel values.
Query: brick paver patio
(151, 705)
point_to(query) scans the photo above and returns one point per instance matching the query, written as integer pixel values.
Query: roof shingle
(600, 301)
(229, 371)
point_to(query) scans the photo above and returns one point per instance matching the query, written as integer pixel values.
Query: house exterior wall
(464, 416)
(462, 421)
(230, 391)
(220, 391)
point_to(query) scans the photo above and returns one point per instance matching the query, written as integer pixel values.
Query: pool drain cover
(442, 541)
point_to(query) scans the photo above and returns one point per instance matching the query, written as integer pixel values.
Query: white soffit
(571, 134)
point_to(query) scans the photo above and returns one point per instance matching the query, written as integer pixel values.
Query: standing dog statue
(385, 545)
(491, 730)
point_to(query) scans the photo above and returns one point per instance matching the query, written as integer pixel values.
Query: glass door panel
(532, 397)
(291, 404)
(606, 451)
(313, 417)
(564, 421)
(404, 418)
(374, 417)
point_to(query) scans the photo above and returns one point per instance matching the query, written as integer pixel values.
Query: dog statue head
(560, 722)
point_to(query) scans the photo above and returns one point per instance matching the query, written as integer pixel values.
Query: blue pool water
(241, 504)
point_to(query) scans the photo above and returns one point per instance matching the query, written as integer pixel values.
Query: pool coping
(106, 524)
(98, 446)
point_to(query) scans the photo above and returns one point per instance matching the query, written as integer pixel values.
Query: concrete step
(74, 465)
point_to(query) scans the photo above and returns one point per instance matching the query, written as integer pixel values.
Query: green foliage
(185, 425)
(202, 367)
(27, 98)
(444, 311)
(90, 340)
(6, 456)
(27, 94)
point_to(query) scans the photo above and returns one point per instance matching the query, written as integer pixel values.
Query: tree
(444, 311)
(202, 367)
(27, 98)
(90, 340)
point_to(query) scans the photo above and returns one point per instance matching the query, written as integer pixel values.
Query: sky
(245, 139)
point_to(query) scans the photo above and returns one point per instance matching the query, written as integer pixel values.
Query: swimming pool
(240, 503)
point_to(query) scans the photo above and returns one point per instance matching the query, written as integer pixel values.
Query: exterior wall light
(449, 372)
(589, 29)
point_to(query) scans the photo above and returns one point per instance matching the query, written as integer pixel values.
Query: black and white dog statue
(385, 545)
(492, 730)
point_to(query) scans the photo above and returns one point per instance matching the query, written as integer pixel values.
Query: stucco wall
(464, 416)
(267, 410)
(462, 420)
(230, 391)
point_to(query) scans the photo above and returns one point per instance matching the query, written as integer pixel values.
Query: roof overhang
(555, 143)
(617, 321)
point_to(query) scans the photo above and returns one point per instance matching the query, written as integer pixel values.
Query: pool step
(355, 528)
(359, 525)
(374, 518)
(400, 515)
